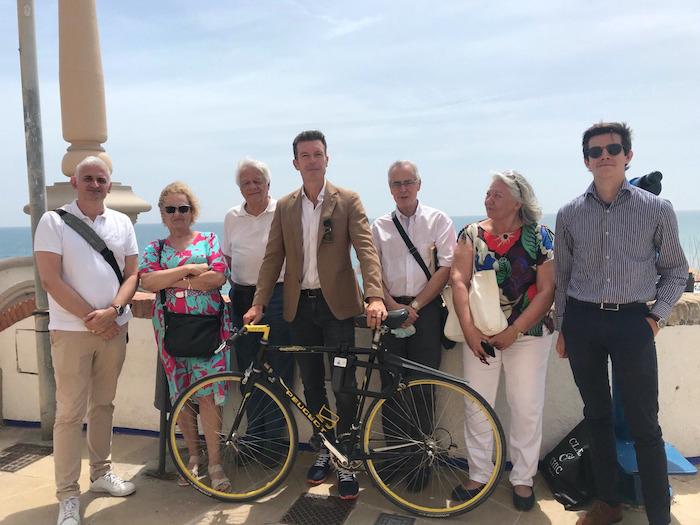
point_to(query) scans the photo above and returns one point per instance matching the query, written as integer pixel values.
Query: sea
(17, 241)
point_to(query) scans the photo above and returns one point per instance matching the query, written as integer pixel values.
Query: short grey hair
(530, 211)
(258, 165)
(91, 161)
(403, 163)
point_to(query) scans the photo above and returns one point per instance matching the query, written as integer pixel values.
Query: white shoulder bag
(484, 302)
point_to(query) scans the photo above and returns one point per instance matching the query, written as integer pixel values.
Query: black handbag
(190, 335)
(447, 344)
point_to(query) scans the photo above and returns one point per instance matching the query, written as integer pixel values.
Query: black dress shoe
(461, 493)
(524, 503)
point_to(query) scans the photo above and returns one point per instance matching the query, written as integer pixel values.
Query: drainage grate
(393, 519)
(311, 509)
(22, 454)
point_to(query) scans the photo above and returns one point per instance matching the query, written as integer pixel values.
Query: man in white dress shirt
(246, 229)
(312, 232)
(407, 286)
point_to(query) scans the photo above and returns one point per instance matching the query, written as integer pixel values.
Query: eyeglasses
(398, 183)
(596, 151)
(181, 209)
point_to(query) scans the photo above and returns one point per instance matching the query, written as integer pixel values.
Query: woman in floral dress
(520, 250)
(191, 269)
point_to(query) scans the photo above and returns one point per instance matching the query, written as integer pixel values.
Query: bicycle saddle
(394, 319)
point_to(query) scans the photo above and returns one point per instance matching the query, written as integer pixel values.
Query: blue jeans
(264, 418)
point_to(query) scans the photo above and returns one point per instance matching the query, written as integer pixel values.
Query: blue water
(16, 242)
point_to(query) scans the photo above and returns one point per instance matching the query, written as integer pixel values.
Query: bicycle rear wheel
(259, 452)
(417, 441)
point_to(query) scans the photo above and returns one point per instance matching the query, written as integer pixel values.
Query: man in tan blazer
(313, 229)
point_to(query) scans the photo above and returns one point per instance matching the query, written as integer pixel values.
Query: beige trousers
(86, 369)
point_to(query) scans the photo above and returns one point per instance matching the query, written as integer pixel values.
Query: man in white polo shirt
(88, 316)
(246, 229)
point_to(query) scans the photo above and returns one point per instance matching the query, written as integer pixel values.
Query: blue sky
(461, 88)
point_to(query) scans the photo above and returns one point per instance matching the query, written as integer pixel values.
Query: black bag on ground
(568, 470)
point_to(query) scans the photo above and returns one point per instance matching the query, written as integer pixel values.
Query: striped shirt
(613, 253)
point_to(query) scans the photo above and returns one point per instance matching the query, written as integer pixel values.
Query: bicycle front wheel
(421, 442)
(255, 455)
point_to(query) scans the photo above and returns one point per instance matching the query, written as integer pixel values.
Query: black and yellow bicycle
(414, 438)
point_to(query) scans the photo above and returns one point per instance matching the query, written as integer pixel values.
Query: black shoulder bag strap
(161, 243)
(92, 239)
(411, 247)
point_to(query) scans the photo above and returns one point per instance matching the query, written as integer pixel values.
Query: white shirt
(244, 241)
(83, 268)
(427, 228)
(310, 219)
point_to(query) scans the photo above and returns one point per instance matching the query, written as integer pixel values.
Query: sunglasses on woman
(181, 209)
(597, 151)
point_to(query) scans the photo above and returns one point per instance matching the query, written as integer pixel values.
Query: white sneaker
(69, 511)
(113, 485)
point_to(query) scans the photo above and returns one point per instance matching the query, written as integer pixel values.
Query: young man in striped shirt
(612, 243)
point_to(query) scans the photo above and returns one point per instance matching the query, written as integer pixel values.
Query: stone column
(82, 83)
(83, 113)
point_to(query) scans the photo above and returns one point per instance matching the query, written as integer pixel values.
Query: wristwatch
(118, 308)
(658, 320)
(414, 304)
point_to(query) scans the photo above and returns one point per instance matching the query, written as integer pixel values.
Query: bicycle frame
(321, 423)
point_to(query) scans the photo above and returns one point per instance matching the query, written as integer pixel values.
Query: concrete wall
(679, 366)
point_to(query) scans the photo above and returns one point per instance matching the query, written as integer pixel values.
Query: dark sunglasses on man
(597, 151)
(181, 209)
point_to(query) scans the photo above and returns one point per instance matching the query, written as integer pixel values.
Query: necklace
(505, 235)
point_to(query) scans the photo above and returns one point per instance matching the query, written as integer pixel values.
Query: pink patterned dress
(183, 371)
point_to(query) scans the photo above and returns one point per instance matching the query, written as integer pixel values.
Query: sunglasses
(182, 209)
(596, 151)
(327, 231)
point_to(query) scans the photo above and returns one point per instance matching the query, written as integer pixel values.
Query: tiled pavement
(27, 496)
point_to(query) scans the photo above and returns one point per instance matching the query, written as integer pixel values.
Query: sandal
(219, 481)
(193, 467)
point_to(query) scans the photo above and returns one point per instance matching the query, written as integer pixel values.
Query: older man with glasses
(412, 285)
(612, 243)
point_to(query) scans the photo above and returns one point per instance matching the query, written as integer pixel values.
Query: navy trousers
(592, 336)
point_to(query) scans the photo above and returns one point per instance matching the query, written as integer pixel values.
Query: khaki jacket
(338, 283)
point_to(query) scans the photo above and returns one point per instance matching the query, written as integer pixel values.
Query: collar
(625, 188)
(321, 195)
(73, 208)
(240, 211)
(408, 218)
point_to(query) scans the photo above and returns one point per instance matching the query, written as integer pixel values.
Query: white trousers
(525, 367)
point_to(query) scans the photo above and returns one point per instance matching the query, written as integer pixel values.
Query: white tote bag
(453, 330)
(485, 303)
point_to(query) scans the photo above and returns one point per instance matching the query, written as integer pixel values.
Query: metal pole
(37, 205)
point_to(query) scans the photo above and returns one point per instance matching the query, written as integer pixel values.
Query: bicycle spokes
(419, 451)
(255, 454)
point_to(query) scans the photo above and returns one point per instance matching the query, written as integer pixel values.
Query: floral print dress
(515, 259)
(183, 371)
